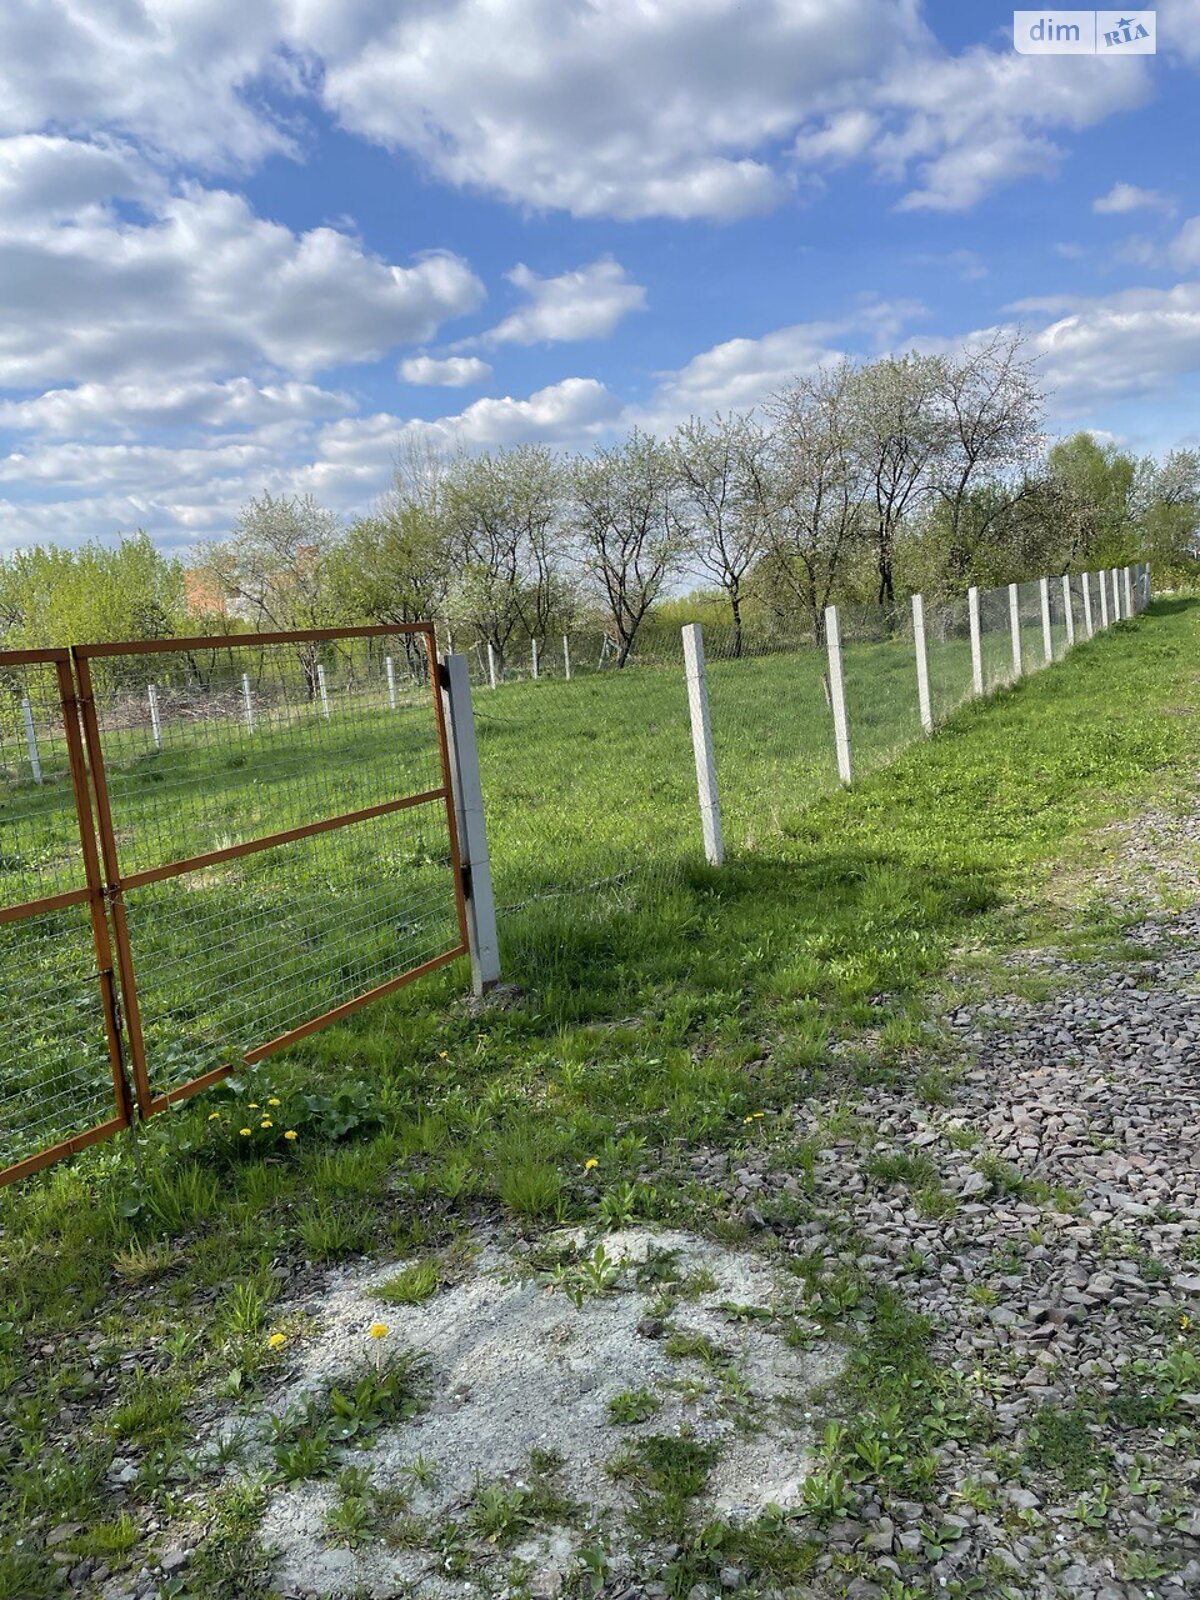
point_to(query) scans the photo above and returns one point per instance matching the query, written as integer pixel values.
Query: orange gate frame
(106, 883)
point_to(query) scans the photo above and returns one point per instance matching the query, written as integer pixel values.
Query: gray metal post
(976, 639)
(837, 694)
(922, 654)
(567, 657)
(391, 681)
(1047, 631)
(491, 665)
(324, 691)
(155, 719)
(1129, 608)
(35, 761)
(1014, 623)
(472, 836)
(1068, 610)
(702, 746)
(1102, 579)
(1089, 626)
(248, 702)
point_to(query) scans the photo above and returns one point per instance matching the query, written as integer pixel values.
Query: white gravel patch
(516, 1368)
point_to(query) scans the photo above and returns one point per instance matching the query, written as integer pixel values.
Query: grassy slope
(654, 1014)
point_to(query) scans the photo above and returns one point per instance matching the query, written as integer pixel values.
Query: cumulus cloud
(148, 403)
(587, 303)
(1123, 198)
(680, 108)
(204, 284)
(449, 372)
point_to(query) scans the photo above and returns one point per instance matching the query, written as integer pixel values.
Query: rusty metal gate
(254, 836)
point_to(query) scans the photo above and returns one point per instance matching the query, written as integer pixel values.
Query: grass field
(658, 1017)
(586, 783)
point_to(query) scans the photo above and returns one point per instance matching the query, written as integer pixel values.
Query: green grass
(643, 1007)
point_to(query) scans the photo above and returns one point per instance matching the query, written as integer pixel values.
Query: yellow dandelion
(443, 1055)
(747, 1120)
(378, 1330)
(244, 1132)
(213, 1116)
(266, 1123)
(760, 1113)
(291, 1134)
(590, 1163)
(277, 1341)
(253, 1106)
(273, 1101)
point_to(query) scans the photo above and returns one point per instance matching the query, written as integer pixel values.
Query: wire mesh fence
(274, 838)
(268, 843)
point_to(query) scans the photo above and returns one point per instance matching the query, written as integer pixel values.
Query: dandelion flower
(213, 1116)
(253, 1106)
(291, 1134)
(590, 1163)
(244, 1132)
(277, 1341)
(378, 1330)
(443, 1055)
(274, 1101)
(266, 1123)
(747, 1120)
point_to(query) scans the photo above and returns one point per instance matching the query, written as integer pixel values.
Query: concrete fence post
(155, 719)
(491, 665)
(534, 657)
(1102, 579)
(1047, 631)
(35, 761)
(391, 682)
(702, 746)
(1068, 610)
(324, 693)
(248, 702)
(567, 658)
(1116, 594)
(1128, 579)
(1014, 623)
(922, 653)
(837, 695)
(976, 639)
(475, 864)
(1088, 625)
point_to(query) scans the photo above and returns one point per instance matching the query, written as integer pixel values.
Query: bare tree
(505, 517)
(812, 488)
(629, 527)
(719, 465)
(274, 565)
(901, 434)
(993, 413)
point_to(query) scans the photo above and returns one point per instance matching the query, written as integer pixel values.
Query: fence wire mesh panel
(772, 728)
(879, 667)
(995, 639)
(58, 1085)
(275, 814)
(948, 650)
(1058, 619)
(588, 784)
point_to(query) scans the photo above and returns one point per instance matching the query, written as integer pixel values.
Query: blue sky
(248, 246)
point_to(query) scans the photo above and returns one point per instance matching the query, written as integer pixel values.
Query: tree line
(859, 483)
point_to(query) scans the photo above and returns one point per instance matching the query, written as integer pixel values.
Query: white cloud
(203, 285)
(102, 408)
(1184, 249)
(449, 372)
(1123, 198)
(677, 108)
(587, 303)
